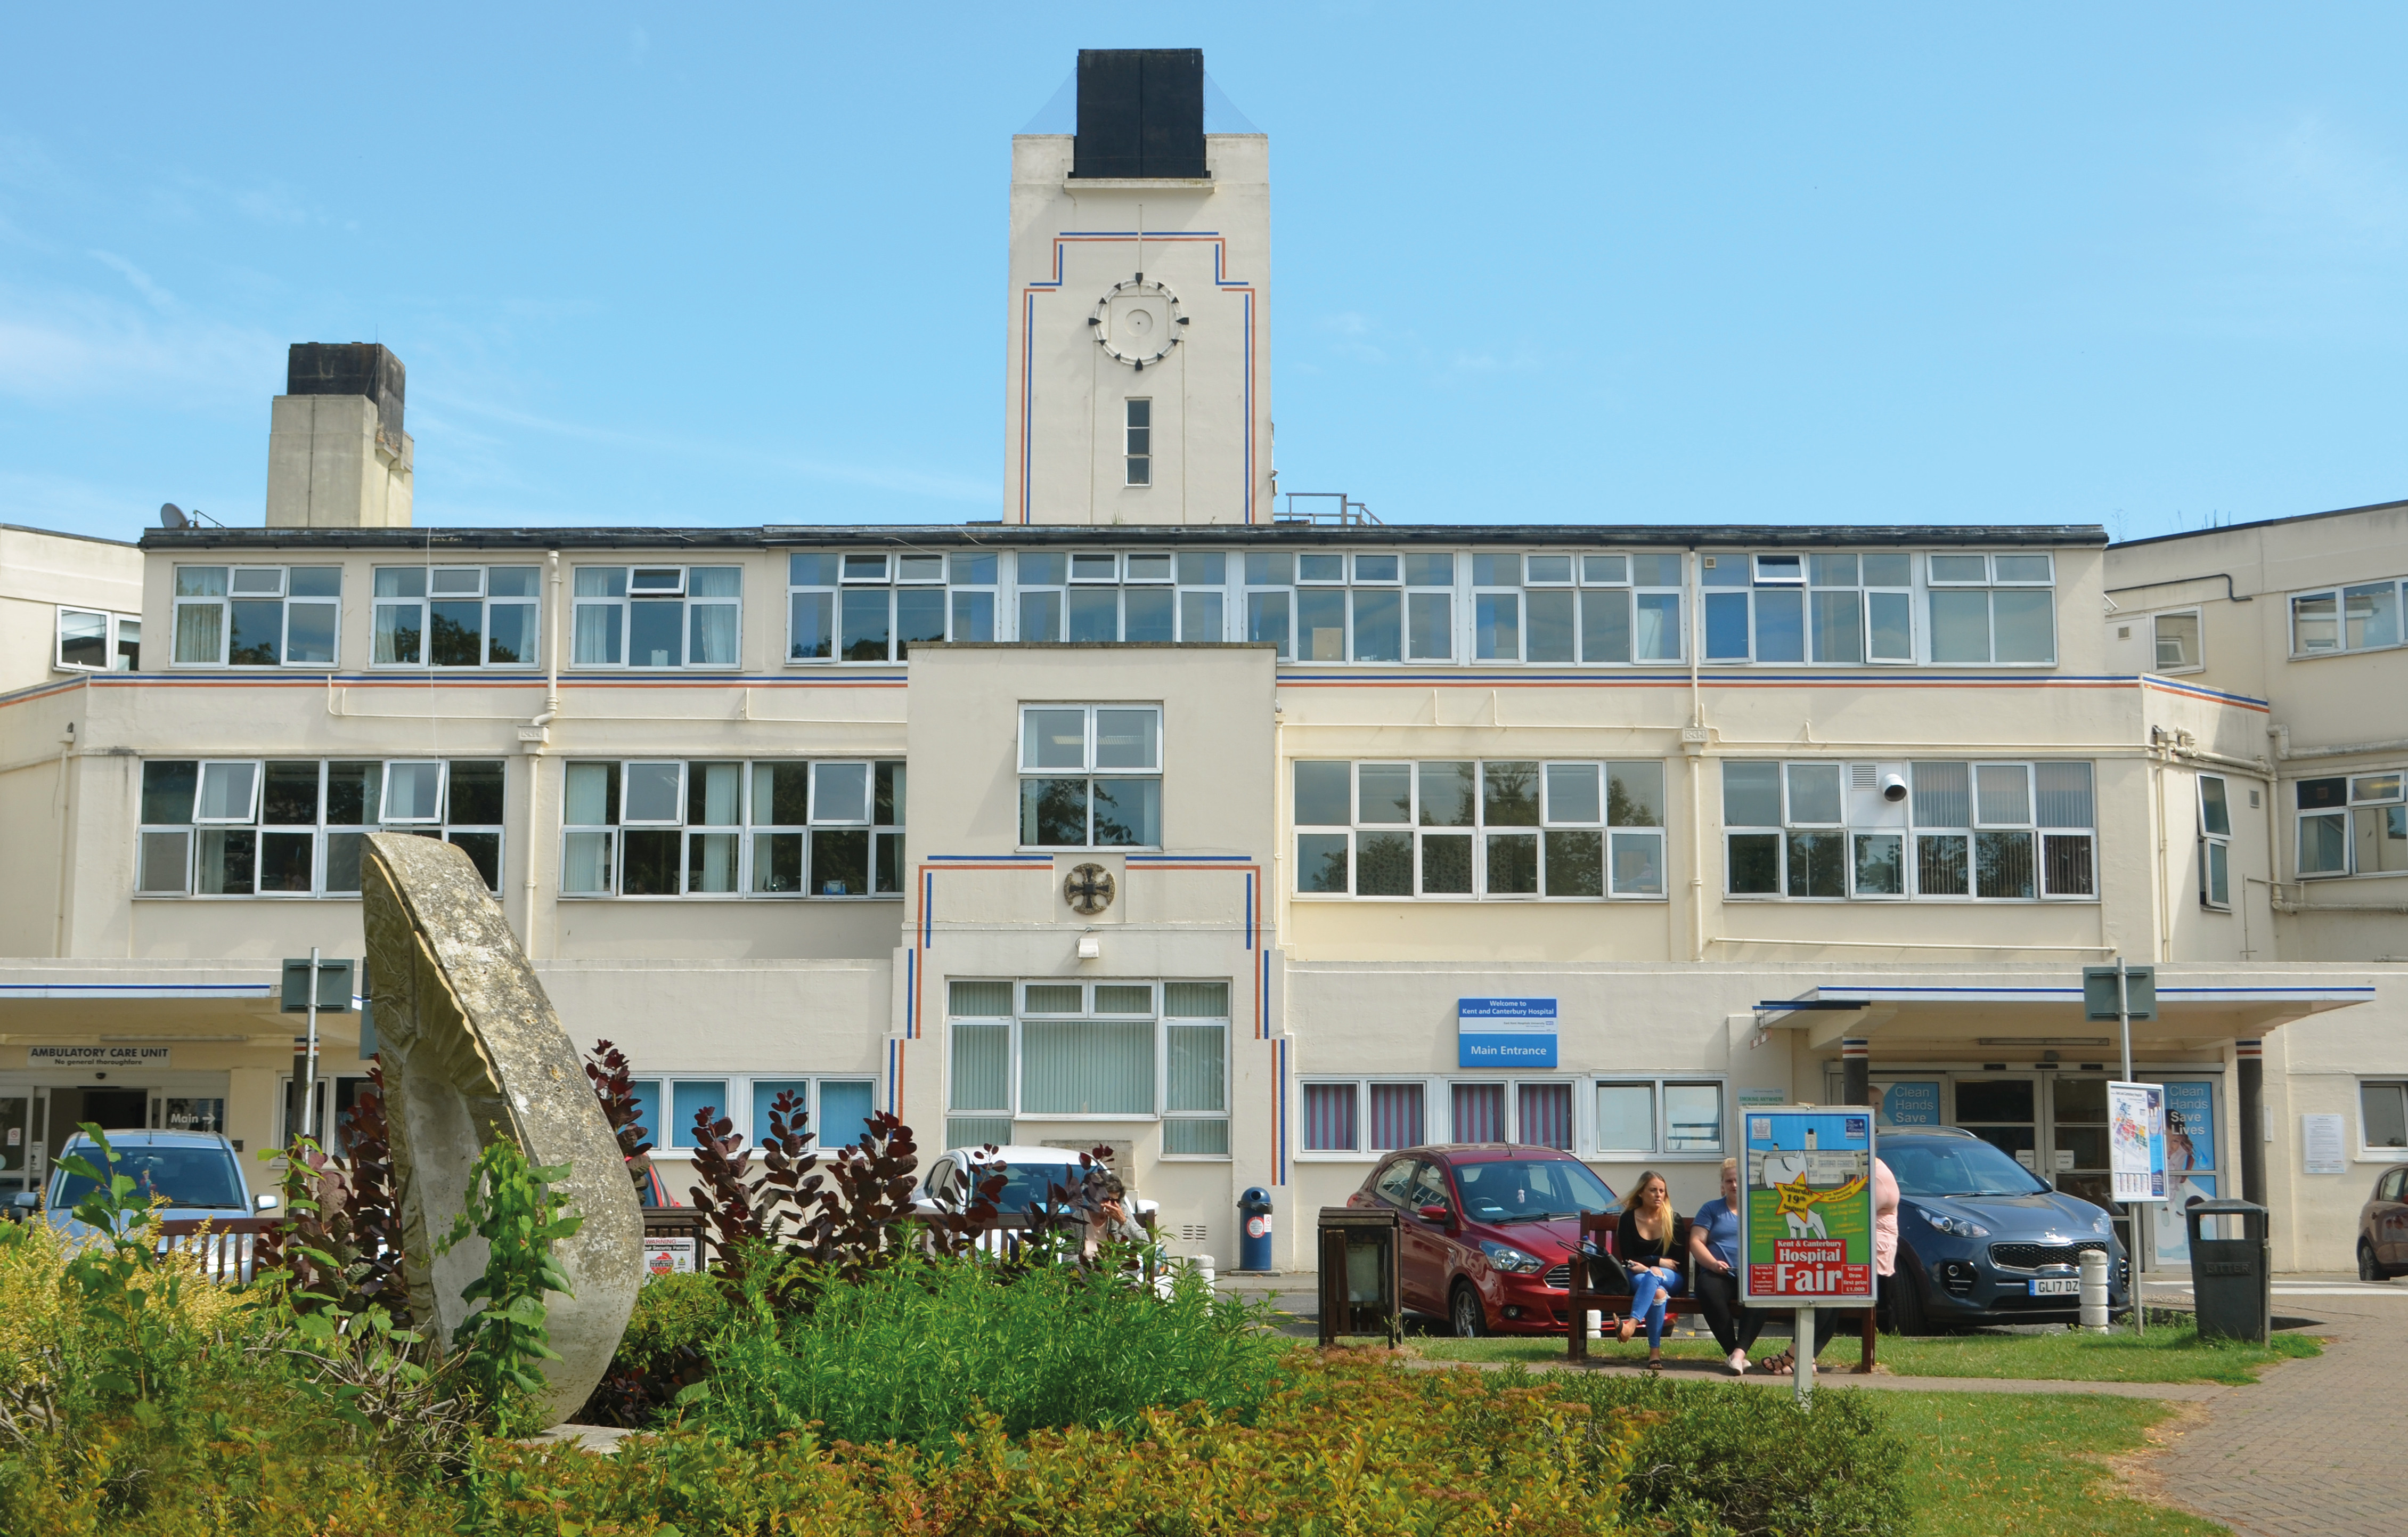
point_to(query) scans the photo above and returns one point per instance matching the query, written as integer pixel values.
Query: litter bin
(1254, 1230)
(2231, 1269)
(1358, 1273)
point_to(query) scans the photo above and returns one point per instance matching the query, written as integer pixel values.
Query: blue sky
(2145, 266)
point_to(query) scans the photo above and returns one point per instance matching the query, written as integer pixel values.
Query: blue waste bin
(1254, 1230)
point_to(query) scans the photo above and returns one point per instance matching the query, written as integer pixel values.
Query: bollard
(1596, 1325)
(2094, 1291)
(1204, 1267)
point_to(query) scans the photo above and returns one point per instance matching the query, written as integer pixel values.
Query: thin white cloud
(160, 299)
(890, 478)
(64, 343)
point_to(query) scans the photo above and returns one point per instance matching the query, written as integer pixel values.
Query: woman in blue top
(1713, 1258)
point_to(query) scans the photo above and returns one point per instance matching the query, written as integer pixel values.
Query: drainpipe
(1693, 743)
(67, 821)
(532, 738)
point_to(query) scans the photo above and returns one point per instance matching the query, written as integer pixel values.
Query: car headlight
(1510, 1260)
(2100, 1223)
(1955, 1226)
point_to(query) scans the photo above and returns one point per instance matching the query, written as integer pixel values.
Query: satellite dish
(172, 516)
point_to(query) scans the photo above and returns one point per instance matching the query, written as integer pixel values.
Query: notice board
(1809, 1193)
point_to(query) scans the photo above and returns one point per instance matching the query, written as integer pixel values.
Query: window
(2365, 617)
(1121, 1050)
(2382, 1110)
(252, 827)
(2354, 824)
(1363, 1116)
(1996, 609)
(837, 1108)
(1090, 776)
(1138, 442)
(455, 616)
(727, 829)
(2214, 842)
(874, 605)
(1471, 829)
(1575, 607)
(1827, 830)
(1628, 1119)
(95, 640)
(1104, 597)
(1835, 609)
(257, 616)
(2178, 641)
(656, 616)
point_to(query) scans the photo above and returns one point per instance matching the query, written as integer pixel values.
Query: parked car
(1488, 1232)
(197, 1172)
(1983, 1240)
(1030, 1175)
(2383, 1227)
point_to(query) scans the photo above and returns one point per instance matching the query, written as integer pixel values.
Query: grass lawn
(2007, 1464)
(2170, 1353)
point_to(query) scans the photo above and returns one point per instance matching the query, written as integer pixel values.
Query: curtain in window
(1078, 1066)
(1329, 1119)
(595, 641)
(1195, 1081)
(2064, 797)
(1547, 1114)
(1195, 1000)
(689, 1098)
(845, 1109)
(765, 1098)
(714, 640)
(1194, 1136)
(982, 1060)
(200, 632)
(586, 862)
(1480, 1112)
(1396, 1116)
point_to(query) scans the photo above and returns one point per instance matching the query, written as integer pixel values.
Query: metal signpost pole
(2124, 1029)
(309, 1068)
(1802, 1350)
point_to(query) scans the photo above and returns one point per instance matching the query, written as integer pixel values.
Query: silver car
(196, 1174)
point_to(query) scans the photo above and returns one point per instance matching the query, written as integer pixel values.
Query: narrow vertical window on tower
(1141, 442)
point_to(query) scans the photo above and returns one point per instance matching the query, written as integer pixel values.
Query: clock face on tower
(1137, 323)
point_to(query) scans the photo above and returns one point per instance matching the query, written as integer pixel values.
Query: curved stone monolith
(473, 1052)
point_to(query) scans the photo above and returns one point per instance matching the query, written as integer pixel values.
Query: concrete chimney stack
(336, 456)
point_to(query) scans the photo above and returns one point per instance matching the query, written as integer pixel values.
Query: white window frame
(744, 1087)
(1088, 767)
(1429, 1087)
(630, 593)
(1162, 1022)
(321, 830)
(1608, 832)
(2361, 794)
(749, 830)
(1812, 574)
(1910, 831)
(1660, 1117)
(114, 638)
(1993, 581)
(1137, 442)
(416, 606)
(2215, 847)
(233, 577)
(2157, 641)
(2370, 1152)
(2338, 595)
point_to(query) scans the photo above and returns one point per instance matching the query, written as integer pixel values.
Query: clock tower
(1136, 384)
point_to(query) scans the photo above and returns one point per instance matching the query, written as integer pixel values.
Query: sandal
(1781, 1365)
(1629, 1328)
(1655, 1360)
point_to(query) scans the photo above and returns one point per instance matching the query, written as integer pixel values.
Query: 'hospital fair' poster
(1810, 1208)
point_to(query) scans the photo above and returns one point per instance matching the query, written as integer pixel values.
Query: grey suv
(1982, 1240)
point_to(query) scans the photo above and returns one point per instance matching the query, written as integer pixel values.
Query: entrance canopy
(2198, 1010)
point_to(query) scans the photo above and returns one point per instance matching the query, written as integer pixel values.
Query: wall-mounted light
(1090, 947)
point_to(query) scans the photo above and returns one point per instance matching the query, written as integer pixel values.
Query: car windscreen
(186, 1176)
(1530, 1189)
(1027, 1184)
(1958, 1168)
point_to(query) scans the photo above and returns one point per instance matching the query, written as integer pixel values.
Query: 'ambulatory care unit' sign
(1505, 1032)
(1810, 1208)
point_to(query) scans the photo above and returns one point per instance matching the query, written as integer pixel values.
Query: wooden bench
(1598, 1228)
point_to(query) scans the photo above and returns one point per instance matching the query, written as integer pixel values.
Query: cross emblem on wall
(1089, 889)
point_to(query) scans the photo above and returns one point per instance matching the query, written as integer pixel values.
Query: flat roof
(1038, 535)
(64, 534)
(2261, 523)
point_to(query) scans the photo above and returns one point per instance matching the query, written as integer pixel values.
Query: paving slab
(2317, 1447)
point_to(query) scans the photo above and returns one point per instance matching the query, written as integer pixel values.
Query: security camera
(1893, 788)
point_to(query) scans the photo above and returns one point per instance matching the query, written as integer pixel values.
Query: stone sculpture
(473, 1052)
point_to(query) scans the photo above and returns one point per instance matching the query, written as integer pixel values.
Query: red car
(1488, 1232)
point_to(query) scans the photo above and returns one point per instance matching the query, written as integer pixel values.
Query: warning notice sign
(1810, 1207)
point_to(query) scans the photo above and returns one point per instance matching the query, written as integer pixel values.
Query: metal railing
(1348, 513)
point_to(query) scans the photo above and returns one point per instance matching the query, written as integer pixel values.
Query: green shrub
(912, 1352)
(672, 1313)
(512, 1206)
(1751, 1461)
(1350, 1448)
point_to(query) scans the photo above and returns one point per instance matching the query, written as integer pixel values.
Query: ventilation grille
(1195, 1232)
(2031, 1256)
(1864, 776)
(1560, 1278)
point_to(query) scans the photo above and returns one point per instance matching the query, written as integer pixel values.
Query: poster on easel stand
(1809, 1197)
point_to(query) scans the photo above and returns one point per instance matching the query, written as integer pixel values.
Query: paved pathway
(2318, 1448)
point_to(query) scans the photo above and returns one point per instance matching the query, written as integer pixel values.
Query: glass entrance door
(2078, 1147)
(16, 1144)
(2003, 1112)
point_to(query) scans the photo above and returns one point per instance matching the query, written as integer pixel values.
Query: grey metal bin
(2231, 1278)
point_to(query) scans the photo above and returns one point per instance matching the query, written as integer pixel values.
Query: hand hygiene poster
(1810, 1208)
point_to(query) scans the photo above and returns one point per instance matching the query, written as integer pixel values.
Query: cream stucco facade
(1145, 817)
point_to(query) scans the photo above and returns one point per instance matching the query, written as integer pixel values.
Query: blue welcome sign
(1505, 1032)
